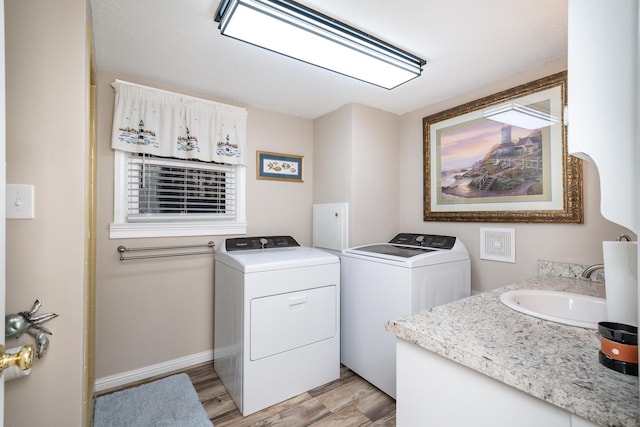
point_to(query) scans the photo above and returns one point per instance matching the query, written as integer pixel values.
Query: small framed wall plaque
(280, 167)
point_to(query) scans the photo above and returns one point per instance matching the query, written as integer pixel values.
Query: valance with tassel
(168, 124)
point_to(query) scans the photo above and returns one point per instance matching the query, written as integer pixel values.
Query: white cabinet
(602, 111)
(435, 391)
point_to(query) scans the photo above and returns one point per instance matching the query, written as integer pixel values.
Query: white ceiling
(466, 43)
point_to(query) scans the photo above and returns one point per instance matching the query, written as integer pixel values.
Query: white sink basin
(561, 307)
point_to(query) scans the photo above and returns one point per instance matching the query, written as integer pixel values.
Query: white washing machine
(385, 281)
(277, 317)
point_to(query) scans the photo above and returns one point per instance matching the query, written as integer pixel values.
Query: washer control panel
(424, 240)
(261, 242)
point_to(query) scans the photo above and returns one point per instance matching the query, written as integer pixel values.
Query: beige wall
(277, 207)
(332, 156)
(573, 243)
(153, 311)
(356, 160)
(374, 212)
(46, 146)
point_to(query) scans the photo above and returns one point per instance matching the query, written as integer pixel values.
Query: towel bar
(123, 249)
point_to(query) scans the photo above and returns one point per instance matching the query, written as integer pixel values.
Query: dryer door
(287, 321)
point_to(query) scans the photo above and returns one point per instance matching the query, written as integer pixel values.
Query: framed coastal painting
(503, 158)
(280, 167)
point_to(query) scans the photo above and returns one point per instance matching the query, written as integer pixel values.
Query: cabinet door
(434, 391)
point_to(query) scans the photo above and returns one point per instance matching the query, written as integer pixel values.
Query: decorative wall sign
(281, 167)
(482, 170)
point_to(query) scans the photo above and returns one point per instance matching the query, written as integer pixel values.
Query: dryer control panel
(266, 242)
(424, 240)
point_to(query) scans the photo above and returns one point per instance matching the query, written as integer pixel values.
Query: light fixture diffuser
(521, 116)
(296, 31)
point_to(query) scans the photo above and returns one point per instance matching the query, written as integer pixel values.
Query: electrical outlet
(20, 201)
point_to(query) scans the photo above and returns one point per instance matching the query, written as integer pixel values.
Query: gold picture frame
(481, 170)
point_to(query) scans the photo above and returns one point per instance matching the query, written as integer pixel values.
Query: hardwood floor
(348, 401)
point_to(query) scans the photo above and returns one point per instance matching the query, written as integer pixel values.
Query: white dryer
(385, 281)
(277, 317)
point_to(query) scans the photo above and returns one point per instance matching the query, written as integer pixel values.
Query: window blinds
(161, 189)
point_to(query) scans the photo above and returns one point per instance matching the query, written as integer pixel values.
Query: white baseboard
(124, 378)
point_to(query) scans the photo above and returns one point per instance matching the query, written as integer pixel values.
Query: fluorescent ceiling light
(296, 31)
(521, 116)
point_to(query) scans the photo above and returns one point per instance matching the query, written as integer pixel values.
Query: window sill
(173, 229)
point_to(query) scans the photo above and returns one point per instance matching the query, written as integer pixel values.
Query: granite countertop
(554, 362)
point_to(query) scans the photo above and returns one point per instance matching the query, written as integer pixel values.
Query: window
(179, 164)
(159, 197)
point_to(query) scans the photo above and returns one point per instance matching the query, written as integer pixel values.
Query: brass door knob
(22, 359)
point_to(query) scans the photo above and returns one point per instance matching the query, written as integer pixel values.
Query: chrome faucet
(586, 274)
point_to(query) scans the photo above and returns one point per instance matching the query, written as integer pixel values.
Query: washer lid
(412, 250)
(395, 250)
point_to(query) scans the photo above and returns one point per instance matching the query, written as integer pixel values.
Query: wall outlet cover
(498, 244)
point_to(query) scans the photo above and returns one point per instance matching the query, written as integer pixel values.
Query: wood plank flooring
(348, 401)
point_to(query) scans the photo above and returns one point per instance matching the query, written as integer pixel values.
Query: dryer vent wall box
(331, 226)
(276, 331)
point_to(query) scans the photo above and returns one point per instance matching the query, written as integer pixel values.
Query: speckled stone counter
(554, 362)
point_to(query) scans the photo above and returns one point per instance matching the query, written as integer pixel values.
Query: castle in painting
(509, 168)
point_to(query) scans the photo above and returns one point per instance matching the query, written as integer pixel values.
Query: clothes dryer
(276, 331)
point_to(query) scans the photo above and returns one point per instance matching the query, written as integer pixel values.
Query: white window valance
(168, 124)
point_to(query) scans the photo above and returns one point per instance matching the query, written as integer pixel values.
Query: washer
(277, 317)
(385, 281)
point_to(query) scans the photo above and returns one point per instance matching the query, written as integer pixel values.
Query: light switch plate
(498, 244)
(20, 201)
